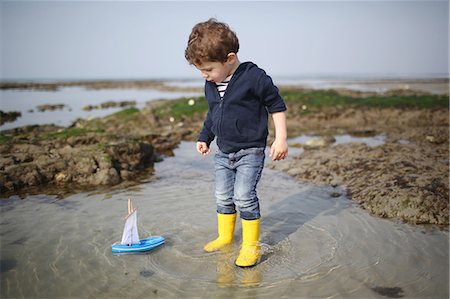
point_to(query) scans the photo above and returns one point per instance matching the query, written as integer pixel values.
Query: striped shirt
(222, 86)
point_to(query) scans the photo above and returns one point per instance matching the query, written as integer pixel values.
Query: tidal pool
(315, 243)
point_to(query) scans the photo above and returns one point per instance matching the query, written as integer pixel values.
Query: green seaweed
(182, 108)
(5, 138)
(125, 115)
(331, 98)
(70, 132)
(126, 112)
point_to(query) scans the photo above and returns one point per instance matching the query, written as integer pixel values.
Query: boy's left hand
(279, 150)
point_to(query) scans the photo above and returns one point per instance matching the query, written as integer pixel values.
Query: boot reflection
(226, 275)
(251, 277)
(229, 275)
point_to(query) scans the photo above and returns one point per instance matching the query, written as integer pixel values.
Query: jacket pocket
(239, 130)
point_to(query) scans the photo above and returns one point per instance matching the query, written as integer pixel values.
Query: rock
(62, 177)
(404, 181)
(133, 155)
(319, 142)
(110, 104)
(434, 139)
(126, 175)
(335, 194)
(50, 107)
(105, 177)
(9, 116)
(314, 143)
(21, 175)
(5, 162)
(83, 164)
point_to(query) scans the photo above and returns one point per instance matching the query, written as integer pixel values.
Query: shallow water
(341, 139)
(371, 141)
(315, 242)
(75, 98)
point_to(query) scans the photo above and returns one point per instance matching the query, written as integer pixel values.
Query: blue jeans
(237, 175)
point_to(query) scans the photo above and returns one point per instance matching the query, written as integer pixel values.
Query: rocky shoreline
(99, 84)
(405, 178)
(86, 156)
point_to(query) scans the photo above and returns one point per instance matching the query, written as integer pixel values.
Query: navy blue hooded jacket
(240, 119)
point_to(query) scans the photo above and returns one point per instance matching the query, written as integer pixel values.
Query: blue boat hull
(144, 245)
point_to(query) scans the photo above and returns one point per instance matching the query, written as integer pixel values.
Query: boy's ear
(231, 57)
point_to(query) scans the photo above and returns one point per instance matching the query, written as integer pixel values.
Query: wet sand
(316, 243)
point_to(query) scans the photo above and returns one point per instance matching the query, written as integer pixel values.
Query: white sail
(130, 231)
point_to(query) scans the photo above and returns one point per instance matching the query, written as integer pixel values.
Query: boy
(240, 96)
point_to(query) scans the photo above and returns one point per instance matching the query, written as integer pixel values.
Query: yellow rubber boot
(250, 250)
(225, 230)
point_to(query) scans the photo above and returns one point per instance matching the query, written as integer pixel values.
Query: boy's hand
(279, 150)
(202, 148)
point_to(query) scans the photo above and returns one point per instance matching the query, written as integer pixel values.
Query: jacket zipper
(219, 126)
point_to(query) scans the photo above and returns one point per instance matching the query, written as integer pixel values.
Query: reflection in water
(228, 275)
(395, 292)
(7, 265)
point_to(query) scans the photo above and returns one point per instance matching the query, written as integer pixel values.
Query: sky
(147, 39)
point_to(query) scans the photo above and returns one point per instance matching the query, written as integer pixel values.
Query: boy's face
(214, 71)
(219, 71)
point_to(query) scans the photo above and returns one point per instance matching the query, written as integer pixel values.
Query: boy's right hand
(202, 148)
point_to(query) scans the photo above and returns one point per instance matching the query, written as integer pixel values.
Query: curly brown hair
(210, 41)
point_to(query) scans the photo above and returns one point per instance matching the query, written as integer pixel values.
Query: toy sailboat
(130, 237)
